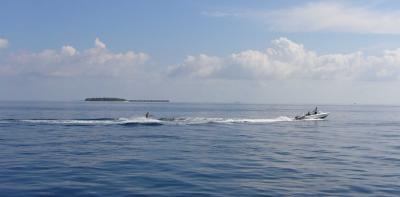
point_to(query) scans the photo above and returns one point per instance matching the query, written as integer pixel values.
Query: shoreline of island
(113, 99)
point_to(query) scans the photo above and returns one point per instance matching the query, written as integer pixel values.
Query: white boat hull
(321, 115)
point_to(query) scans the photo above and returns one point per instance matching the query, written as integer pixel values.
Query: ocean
(189, 149)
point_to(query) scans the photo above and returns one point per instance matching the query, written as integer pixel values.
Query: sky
(289, 52)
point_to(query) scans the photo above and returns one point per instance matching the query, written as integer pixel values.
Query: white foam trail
(204, 120)
(78, 122)
(149, 121)
(133, 120)
(313, 119)
(139, 120)
(262, 120)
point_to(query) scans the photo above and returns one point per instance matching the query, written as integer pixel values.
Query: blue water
(109, 149)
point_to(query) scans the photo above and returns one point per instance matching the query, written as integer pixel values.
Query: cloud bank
(323, 16)
(68, 61)
(3, 43)
(286, 59)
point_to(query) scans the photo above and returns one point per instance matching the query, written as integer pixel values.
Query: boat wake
(204, 120)
(89, 122)
(151, 121)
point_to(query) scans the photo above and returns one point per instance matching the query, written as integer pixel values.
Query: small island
(105, 99)
(125, 100)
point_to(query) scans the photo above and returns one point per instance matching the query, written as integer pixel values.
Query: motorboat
(320, 115)
(315, 114)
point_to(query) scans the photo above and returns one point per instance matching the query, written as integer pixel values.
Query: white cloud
(69, 62)
(200, 66)
(3, 43)
(324, 16)
(68, 50)
(286, 59)
(99, 44)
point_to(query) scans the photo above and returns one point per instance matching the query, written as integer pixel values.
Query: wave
(205, 120)
(88, 122)
(148, 121)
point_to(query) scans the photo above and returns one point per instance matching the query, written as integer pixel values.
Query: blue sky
(201, 51)
(167, 28)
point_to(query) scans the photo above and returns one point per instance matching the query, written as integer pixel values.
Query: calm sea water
(109, 149)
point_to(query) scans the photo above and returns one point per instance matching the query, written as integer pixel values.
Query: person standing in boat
(316, 110)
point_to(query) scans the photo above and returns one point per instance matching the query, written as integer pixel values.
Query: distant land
(124, 100)
(105, 99)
